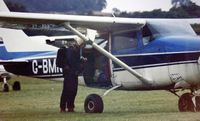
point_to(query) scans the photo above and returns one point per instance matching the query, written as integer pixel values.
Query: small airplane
(131, 54)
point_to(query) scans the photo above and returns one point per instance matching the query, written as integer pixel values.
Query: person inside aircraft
(124, 43)
(101, 75)
(97, 71)
(71, 69)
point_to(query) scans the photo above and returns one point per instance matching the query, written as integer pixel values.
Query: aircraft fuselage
(40, 68)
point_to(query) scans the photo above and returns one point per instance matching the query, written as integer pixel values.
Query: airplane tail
(15, 42)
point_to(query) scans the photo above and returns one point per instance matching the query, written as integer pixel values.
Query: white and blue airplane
(131, 54)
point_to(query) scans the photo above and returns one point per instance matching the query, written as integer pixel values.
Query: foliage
(178, 3)
(73, 6)
(189, 10)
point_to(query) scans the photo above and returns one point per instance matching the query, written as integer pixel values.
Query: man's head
(72, 44)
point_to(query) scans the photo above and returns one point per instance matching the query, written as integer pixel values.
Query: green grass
(39, 101)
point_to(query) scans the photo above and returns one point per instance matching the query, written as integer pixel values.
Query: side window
(125, 42)
(147, 35)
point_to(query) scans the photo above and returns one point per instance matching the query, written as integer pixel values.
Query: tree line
(61, 6)
(180, 8)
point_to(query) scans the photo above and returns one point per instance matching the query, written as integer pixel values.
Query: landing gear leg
(5, 85)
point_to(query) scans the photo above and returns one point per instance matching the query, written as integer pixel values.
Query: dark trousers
(69, 91)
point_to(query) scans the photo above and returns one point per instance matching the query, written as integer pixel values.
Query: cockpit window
(163, 27)
(124, 41)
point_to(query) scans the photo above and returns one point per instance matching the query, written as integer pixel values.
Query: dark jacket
(69, 60)
(74, 61)
(62, 59)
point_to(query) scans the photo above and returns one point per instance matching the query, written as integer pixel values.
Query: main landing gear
(189, 102)
(4, 77)
(94, 103)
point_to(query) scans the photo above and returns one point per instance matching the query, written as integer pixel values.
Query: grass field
(39, 101)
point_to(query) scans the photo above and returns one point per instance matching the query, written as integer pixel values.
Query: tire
(5, 88)
(185, 103)
(198, 103)
(93, 104)
(16, 86)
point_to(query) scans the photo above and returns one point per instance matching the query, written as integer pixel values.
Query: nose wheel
(185, 103)
(189, 103)
(5, 87)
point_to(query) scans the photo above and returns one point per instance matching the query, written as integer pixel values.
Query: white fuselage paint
(162, 76)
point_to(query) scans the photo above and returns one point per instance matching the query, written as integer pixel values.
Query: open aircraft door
(98, 68)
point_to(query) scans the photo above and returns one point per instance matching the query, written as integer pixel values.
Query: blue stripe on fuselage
(153, 60)
(162, 51)
(5, 55)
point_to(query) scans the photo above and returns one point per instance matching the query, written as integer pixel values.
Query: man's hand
(83, 59)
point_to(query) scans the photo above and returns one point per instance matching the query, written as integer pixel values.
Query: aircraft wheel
(16, 86)
(185, 103)
(5, 88)
(198, 103)
(93, 104)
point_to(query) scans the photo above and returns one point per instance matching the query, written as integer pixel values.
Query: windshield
(163, 27)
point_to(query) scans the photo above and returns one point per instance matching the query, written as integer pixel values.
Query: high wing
(101, 24)
(104, 24)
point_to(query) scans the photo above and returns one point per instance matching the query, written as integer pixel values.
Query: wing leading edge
(105, 24)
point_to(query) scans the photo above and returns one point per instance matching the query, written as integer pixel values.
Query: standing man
(71, 66)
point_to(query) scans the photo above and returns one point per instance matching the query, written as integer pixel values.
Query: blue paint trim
(5, 55)
(142, 60)
(162, 51)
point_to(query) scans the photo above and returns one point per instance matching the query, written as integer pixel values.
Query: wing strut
(90, 40)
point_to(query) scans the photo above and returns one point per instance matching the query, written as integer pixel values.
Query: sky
(140, 5)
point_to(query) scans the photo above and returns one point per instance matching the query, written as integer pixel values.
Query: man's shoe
(71, 110)
(62, 111)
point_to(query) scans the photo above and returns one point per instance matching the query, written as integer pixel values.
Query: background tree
(73, 6)
(178, 3)
(180, 9)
